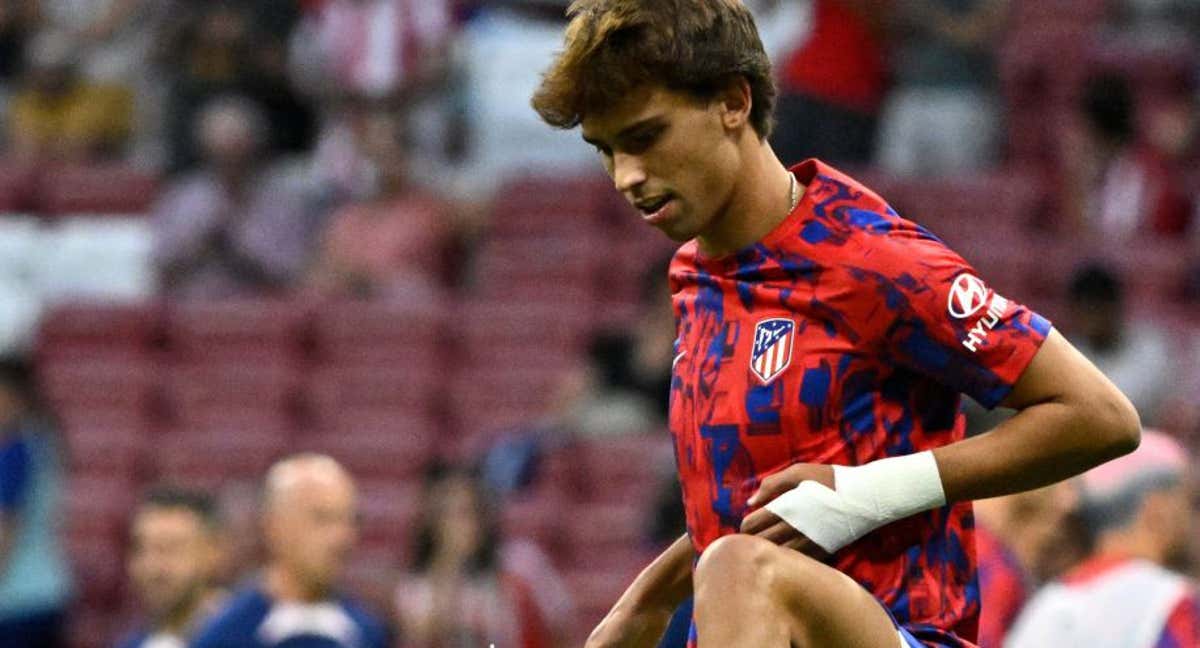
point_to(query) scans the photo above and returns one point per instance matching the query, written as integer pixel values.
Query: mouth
(656, 210)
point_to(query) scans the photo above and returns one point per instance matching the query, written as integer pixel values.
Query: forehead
(644, 103)
(167, 520)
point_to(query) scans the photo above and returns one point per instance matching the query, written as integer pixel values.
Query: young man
(823, 344)
(172, 559)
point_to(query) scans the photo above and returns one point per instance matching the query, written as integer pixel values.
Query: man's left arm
(1070, 418)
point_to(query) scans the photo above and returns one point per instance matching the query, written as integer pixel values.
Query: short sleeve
(931, 312)
(15, 469)
(1183, 625)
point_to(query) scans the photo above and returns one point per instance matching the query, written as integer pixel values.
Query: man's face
(171, 559)
(312, 530)
(671, 156)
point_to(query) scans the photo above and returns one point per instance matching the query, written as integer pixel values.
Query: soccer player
(172, 560)
(823, 343)
(309, 509)
(1125, 595)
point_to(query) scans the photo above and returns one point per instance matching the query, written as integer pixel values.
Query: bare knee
(737, 561)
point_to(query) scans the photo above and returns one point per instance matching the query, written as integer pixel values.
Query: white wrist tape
(867, 497)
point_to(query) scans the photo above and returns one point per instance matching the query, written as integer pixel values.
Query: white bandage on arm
(867, 497)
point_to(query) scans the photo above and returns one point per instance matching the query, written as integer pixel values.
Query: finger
(778, 533)
(757, 521)
(766, 491)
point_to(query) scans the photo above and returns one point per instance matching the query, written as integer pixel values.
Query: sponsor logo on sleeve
(967, 297)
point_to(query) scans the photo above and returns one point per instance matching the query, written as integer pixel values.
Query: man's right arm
(641, 615)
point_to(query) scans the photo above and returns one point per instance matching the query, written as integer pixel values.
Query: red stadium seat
(104, 189)
(116, 385)
(17, 181)
(594, 591)
(98, 565)
(79, 329)
(397, 448)
(340, 393)
(247, 332)
(369, 332)
(212, 456)
(109, 444)
(606, 535)
(548, 205)
(623, 469)
(214, 393)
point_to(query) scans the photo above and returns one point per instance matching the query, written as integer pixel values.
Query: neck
(1133, 543)
(761, 199)
(180, 619)
(283, 585)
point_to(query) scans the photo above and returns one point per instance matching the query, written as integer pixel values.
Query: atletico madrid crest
(772, 348)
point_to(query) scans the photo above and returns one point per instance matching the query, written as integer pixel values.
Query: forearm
(665, 583)
(1040, 445)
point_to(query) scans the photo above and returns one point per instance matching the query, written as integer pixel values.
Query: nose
(627, 172)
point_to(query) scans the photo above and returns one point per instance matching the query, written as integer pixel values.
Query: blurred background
(232, 231)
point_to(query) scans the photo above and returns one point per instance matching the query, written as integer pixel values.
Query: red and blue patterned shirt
(845, 335)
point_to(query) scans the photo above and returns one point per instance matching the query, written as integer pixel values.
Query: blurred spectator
(58, 114)
(1125, 595)
(373, 48)
(227, 47)
(35, 588)
(394, 240)
(942, 115)
(832, 86)
(309, 518)
(17, 20)
(1135, 355)
(503, 48)
(172, 555)
(1116, 185)
(466, 588)
(1154, 22)
(237, 226)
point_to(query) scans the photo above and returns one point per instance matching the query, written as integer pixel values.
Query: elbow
(1117, 427)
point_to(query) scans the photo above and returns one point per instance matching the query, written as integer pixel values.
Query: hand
(767, 525)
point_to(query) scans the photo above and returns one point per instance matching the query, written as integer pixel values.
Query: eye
(642, 141)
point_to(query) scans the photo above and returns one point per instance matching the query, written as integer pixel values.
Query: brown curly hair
(613, 47)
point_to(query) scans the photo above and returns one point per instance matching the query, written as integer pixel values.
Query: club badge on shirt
(772, 348)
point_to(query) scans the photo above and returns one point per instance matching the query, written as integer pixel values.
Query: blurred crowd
(336, 152)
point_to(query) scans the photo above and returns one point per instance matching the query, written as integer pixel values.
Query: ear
(735, 103)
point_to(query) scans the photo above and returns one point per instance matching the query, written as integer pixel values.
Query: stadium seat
(79, 329)
(210, 456)
(606, 535)
(396, 448)
(595, 591)
(17, 183)
(115, 384)
(371, 332)
(200, 395)
(109, 444)
(102, 189)
(339, 393)
(547, 205)
(623, 469)
(228, 332)
(98, 566)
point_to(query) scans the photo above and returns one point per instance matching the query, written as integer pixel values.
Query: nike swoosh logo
(678, 358)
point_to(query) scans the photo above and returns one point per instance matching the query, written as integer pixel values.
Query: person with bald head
(309, 511)
(1127, 593)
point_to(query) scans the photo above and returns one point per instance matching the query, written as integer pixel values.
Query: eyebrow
(648, 122)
